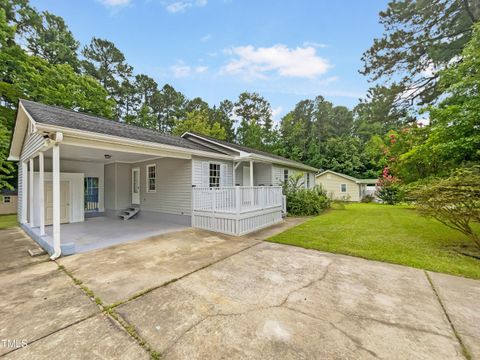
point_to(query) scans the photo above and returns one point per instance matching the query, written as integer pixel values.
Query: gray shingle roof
(250, 150)
(57, 116)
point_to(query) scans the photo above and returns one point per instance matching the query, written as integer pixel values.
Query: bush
(304, 202)
(368, 199)
(454, 201)
(390, 194)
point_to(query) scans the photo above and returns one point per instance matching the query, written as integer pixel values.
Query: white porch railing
(236, 209)
(236, 199)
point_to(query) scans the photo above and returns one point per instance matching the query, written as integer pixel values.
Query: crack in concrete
(53, 332)
(259, 308)
(463, 347)
(355, 340)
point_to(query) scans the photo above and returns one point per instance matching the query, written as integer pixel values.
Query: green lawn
(8, 221)
(395, 234)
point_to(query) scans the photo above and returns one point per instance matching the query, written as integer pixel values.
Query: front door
(136, 186)
(64, 202)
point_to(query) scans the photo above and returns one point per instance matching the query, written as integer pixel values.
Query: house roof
(245, 149)
(358, 181)
(57, 116)
(8, 192)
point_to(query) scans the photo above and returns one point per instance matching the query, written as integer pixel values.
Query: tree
(342, 154)
(146, 87)
(296, 131)
(255, 116)
(168, 106)
(454, 201)
(53, 41)
(20, 16)
(419, 38)
(452, 139)
(224, 116)
(376, 114)
(198, 121)
(106, 63)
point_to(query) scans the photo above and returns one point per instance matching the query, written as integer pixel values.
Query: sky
(286, 50)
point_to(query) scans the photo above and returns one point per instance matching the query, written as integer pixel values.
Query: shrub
(388, 188)
(368, 199)
(454, 201)
(304, 202)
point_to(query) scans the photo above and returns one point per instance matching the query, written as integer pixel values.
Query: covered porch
(73, 195)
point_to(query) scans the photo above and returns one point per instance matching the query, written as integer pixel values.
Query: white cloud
(315, 44)
(180, 70)
(206, 38)
(115, 3)
(251, 62)
(201, 69)
(181, 6)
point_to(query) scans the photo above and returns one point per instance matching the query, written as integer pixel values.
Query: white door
(64, 202)
(246, 176)
(136, 186)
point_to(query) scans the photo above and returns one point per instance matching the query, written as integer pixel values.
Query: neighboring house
(73, 166)
(343, 187)
(8, 202)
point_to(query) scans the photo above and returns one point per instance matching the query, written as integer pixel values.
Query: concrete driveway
(198, 295)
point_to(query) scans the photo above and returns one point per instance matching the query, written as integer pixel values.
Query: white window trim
(219, 173)
(148, 190)
(346, 188)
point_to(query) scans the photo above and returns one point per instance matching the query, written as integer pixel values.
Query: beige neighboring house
(8, 202)
(343, 187)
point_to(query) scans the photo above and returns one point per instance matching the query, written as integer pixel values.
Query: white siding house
(76, 168)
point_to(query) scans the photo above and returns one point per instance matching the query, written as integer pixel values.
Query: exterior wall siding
(32, 143)
(277, 174)
(173, 193)
(197, 172)
(332, 184)
(8, 208)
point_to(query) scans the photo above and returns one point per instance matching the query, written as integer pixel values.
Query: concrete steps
(129, 213)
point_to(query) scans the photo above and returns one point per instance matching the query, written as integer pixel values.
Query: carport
(100, 232)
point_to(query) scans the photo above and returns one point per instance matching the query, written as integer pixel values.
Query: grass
(394, 234)
(8, 221)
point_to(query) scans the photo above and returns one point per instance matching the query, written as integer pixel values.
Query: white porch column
(24, 199)
(56, 200)
(41, 192)
(30, 193)
(251, 172)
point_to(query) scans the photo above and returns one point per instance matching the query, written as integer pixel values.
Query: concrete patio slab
(117, 273)
(460, 298)
(274, 301)
(14, 246)
(98, 337)
(37, 300)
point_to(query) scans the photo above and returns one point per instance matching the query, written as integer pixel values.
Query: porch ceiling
(69, 152)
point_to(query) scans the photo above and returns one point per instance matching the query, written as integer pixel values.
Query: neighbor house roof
(8, 192)
(358, 181)
(57, 116)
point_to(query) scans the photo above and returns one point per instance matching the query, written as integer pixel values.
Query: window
(151, 177)
(308, 181)
(343, 188)
(214, 175)
(285, 175)
(91, 193)
(6, 200)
